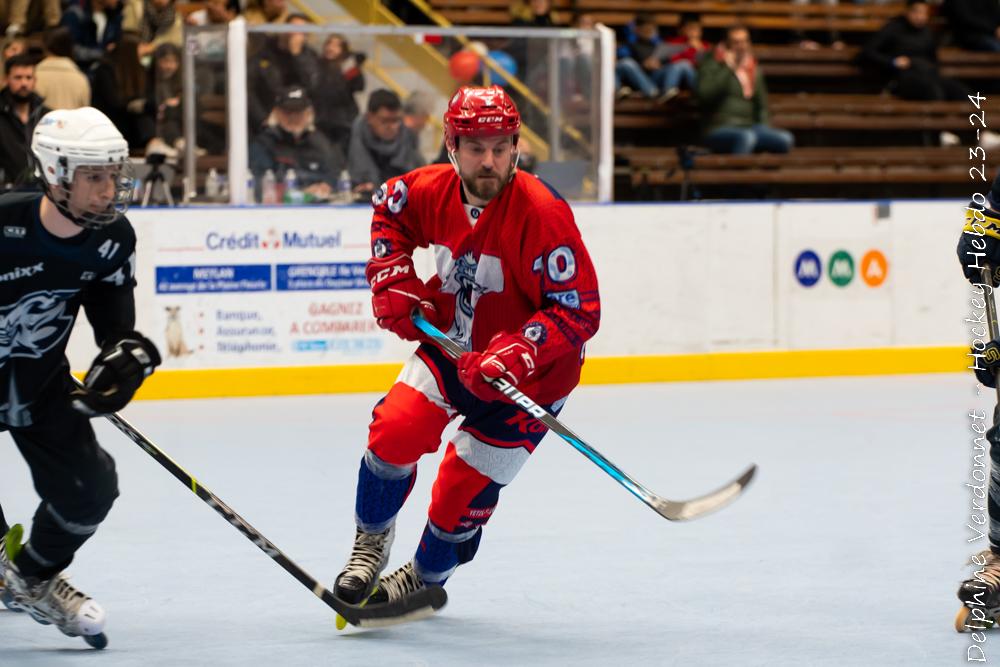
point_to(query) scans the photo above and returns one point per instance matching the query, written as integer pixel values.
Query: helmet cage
(61, 191)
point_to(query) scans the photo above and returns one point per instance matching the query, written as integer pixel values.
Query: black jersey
(43, 282)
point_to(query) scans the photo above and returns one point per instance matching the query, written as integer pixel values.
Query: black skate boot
(52, 601)
(368, 558)
(397, 585)
(980, 595)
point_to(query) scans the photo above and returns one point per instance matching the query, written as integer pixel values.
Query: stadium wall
(272, 300)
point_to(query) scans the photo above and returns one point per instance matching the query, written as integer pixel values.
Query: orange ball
(464, 66)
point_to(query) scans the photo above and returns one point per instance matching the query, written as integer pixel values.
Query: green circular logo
(841, 269)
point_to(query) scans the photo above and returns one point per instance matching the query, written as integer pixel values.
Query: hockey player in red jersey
(514, 285)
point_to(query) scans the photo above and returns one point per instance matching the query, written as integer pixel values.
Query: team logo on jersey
(22, 272)
(380, 195)
(34, 325)
(398, 198)
(381, 248)
(396, 201)
(468, 280)
(14, 232)
(535, 332)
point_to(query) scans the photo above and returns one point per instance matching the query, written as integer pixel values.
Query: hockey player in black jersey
(66, 247)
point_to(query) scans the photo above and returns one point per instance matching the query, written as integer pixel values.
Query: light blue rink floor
(847, 550)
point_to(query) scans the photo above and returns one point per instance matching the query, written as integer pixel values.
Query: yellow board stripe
(298, 380)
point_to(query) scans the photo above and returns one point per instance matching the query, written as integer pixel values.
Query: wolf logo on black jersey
(34, 325)
(44, 281)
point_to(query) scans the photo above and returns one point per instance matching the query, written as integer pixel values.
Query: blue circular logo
(808, 268)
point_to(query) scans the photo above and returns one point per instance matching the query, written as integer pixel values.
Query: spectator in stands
(24, 17)
(975, 24)
(417, 109)
(290, 141)
(644, 62)
(340, 79)
(535, 12)
(285, 60)
(831, 37)
(95, 26)
(685, 51)
(214, 12)
(118, 81)
(20, 110)
(575, 60)
(10, 47)
(58, 79)
(267, 11)
(381, 146)
(160, 24)
(163, 98)
(733, 99)
(905, 54)
(530, 54)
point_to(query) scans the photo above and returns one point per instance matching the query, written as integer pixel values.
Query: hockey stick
(986, 275)
(419, 605)
(674, 510)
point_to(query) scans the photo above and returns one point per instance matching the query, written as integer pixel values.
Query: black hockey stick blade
(674, 510)
(414, 607)
(420, 605)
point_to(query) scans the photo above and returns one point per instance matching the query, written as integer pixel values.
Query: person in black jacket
(975, 24)
(290, 141)
(95, 25)
(118, 89)
(340, 79)
(20, 109)
(285, 60)
(905, 53)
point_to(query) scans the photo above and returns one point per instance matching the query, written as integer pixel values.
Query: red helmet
(480, 112)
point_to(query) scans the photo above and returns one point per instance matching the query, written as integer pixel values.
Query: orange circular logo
(874, 268)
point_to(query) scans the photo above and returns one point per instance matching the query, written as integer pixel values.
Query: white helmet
(67, 139)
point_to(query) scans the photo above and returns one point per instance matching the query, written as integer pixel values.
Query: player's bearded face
(485, 164)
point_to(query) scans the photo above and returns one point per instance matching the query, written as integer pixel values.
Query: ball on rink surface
(464, 66)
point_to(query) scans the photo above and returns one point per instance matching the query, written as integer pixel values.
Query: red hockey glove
(508, 356)
(396, 289)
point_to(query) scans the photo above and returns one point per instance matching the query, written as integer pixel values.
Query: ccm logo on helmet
(490, 119)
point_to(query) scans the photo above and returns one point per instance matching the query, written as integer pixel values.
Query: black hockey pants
(76, 480)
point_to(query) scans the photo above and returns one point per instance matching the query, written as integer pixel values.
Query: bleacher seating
(853, 138)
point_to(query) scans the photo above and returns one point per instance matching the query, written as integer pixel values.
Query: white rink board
(674, 279)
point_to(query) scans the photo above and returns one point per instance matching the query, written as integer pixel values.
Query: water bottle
(212, 184)
(251, 188)
(223, 187)
(269, 188)
(344, 193)
(137, 190)
(292, 193)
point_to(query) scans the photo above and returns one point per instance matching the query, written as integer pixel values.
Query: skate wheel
(960, 618)
(96, 641)
(341, 622)
(8, 601)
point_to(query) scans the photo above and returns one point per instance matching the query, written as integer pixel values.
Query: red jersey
(521, 267)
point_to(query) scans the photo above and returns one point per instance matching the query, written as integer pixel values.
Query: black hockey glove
(987, 364)
(116, 374)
